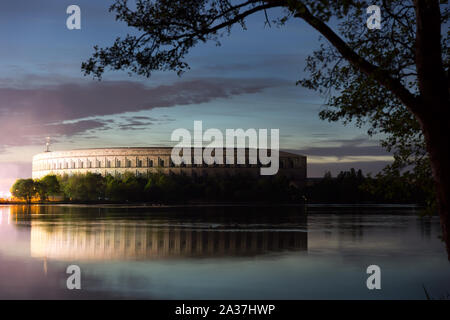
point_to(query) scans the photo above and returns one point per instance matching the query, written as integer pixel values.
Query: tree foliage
(24, 189)
(47, 186)
(353, 187)
(348, 187)
(352, 96)
(158, 188)
(83, 187)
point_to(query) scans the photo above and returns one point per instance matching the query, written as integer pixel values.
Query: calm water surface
(220, 252)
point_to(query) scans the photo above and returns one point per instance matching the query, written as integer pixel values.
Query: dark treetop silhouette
(395, 79)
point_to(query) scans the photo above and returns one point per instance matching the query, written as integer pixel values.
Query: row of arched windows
(142, 163)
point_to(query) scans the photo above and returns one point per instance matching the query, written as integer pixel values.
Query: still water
(220, 252)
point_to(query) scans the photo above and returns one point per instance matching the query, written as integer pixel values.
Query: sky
(247, 82)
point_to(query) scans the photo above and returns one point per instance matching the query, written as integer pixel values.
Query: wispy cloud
(341, 148)
(342, 154)
(28, 114)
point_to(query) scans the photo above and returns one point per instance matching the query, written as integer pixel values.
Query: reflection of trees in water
(425, 227)
(355, 222)
(345, 225)
(357, 228)
(44, 212)
(209, 214)
(109, 241)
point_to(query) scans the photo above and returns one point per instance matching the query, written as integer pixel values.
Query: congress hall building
(146, 160)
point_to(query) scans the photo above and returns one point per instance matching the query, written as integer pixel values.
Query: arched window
(291, 163)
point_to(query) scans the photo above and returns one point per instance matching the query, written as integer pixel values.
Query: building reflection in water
(69, 242)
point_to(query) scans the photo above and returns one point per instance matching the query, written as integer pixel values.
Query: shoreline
(221, 204)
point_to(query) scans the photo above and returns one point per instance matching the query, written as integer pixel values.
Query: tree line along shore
(347, 187)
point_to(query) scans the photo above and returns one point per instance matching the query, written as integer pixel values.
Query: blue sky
(247, 82)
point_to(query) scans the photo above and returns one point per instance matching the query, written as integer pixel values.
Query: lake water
(220, 252)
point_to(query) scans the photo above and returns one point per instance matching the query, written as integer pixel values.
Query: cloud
(345, 151)
(344, 154)
(341, 148)
(134, 125)
(70, 129)
(28, 114)
(143, 118)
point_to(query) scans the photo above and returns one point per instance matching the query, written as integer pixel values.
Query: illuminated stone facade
(142, 161)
